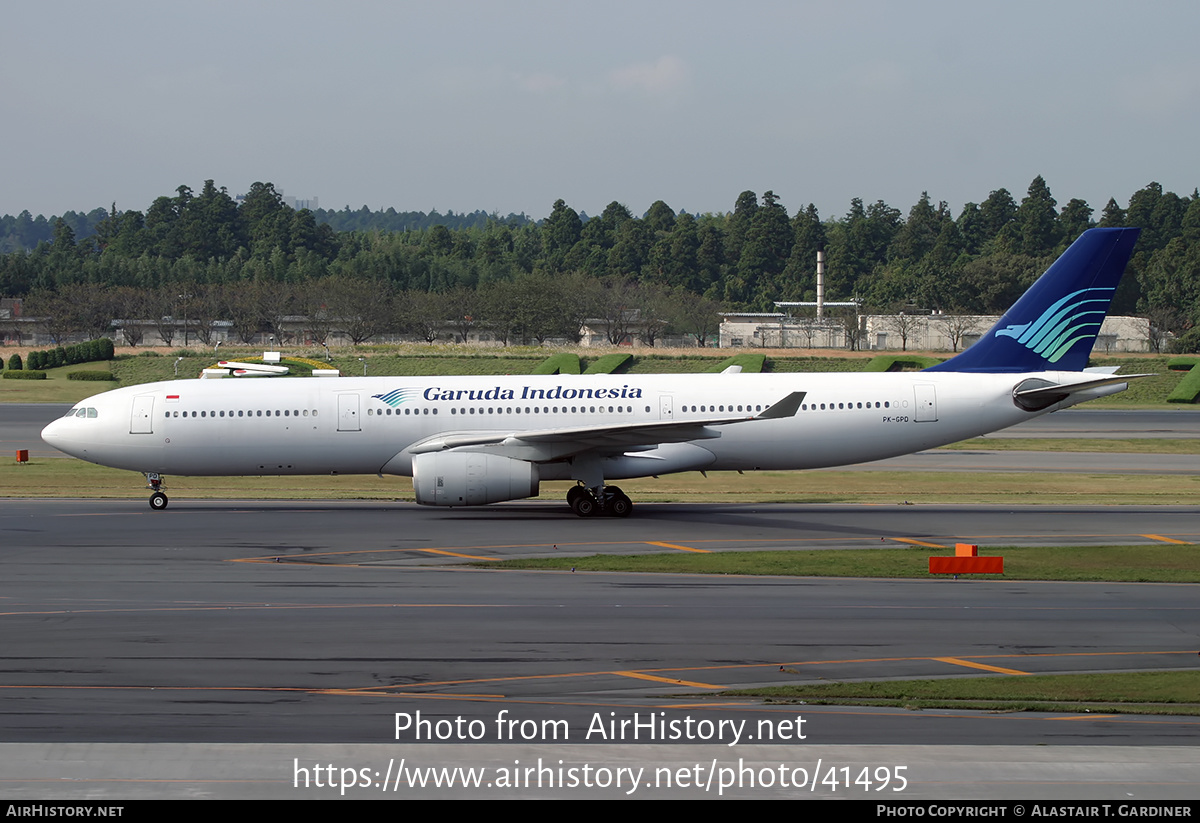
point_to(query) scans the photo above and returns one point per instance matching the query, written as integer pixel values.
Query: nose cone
(56, 435)
(52, 433)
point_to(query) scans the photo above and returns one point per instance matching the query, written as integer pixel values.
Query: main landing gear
(158, 500)
(610, 501)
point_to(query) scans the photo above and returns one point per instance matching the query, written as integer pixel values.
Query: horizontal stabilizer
(1036, 394)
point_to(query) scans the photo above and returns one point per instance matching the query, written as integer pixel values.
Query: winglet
(787, 407)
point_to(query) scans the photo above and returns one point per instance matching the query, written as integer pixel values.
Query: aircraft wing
(554, 444)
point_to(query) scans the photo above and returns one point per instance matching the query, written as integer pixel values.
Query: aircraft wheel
(158, 501)
(573, 495)
(584, 505)
(619, 505)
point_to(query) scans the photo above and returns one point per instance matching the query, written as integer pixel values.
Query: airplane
(469, 441)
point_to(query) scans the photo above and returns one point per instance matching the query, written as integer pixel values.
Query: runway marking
(455, 554)
(972, 665)
(299, 559)
(1166, 539)
(267, 607)
(681, 548)
(374, 692)
(747, 705)
(773, 544)
(673, 682)
(648, 673)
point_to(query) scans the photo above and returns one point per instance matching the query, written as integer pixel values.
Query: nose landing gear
(158, 500)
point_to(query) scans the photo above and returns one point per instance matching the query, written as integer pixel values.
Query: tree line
(977, 261)
(532, 308)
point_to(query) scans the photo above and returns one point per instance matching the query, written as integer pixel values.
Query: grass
(885, 487)
(1147, 391)
(1159, 693)
(1171, 692)
(1187, 389)
(1037, 444)
(900, 362)
(561, 363)
(749, 363)
(1131, 564)
(133, 366)
(56, 388)
(66, 477)
(617, 363)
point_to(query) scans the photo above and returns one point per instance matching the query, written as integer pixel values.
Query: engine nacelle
(471, 478)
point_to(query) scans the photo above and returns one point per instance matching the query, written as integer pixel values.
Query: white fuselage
(342, 426)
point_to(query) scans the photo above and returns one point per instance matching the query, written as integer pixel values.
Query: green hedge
(897, 362)
(1188, 388)
(750, 363)
(562, 363)
(92, 375)
(27, 374)
(610, 363)
(89, 352)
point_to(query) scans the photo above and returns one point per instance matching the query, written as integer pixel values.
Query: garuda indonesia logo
(1073, 318)
(397, 396)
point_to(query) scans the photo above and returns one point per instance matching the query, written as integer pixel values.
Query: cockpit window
(91, 412)
(73, 412)
(83, 412)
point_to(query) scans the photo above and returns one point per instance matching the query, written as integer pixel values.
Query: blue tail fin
(1054, 324)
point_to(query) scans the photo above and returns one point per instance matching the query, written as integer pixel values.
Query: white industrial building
(896, 332)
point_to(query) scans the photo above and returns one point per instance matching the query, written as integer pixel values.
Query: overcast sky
(507, 106)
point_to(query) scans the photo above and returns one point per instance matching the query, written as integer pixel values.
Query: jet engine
(454, 478)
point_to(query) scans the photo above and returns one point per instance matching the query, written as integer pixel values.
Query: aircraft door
(348, 420)
(141, 420)
(666, 407)
(925, 395)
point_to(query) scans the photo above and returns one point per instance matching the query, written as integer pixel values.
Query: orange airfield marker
(966, 560)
